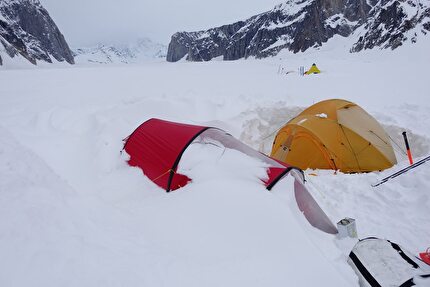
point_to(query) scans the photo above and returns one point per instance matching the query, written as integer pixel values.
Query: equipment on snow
(347, 228)
(407, 148)
(402, 171)
(301, 71)
(380, 262)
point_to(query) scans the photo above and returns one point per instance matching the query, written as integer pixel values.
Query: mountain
(26, 29)
(298, 25)
(141, 50)
(394, 22)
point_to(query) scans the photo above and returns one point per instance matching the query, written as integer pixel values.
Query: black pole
(407, 148)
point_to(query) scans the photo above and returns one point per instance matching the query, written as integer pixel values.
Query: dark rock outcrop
(392, 23)
(298, 25)
(27, 29)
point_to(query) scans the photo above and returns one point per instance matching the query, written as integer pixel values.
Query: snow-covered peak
(28, 33)
(394, 22)
(141, 50)
(298, 25)
(292, 7)
(35, 3)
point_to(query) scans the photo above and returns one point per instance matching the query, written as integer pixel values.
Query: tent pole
(407, 148)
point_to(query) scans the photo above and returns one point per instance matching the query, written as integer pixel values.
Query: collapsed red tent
(157, 146)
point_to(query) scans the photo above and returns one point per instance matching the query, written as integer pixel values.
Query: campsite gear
(157, 146)
(402, 171)
(347, 228)
(334, 134)
(407, 148)
(313, 70)
(379, 262)
(301, 71)
(425, 256)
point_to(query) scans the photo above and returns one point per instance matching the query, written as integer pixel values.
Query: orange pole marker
(411, 161)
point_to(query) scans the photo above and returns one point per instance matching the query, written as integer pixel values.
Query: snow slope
(74, 214)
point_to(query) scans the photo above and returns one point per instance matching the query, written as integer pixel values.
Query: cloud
(87, 22)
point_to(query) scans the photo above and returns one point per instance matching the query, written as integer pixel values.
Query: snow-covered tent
(157, 146)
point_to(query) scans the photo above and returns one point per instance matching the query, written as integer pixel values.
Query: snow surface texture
(75, 214)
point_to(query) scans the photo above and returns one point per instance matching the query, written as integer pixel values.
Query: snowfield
(73, 213)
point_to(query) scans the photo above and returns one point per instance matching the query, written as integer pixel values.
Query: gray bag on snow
(381, 263)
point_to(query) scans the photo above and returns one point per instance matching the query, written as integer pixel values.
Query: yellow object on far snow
(313, 70)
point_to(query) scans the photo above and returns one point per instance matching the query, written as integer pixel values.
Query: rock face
(298, 25)
(27, 29)
(393, 23)
(142, 50)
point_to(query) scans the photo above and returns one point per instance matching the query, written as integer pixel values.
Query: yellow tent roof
(334, 134)
(313, 70)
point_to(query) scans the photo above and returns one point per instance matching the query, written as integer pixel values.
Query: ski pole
(407, 148)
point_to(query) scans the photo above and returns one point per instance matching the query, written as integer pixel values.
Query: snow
(281, 41)
(75, 214)
(278, 25)
(292, 7)
(322, 115)
(339, 20)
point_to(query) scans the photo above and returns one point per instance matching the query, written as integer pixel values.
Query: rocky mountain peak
(297, 25)
(27, 29)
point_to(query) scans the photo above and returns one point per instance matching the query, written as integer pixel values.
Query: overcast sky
(87, 22)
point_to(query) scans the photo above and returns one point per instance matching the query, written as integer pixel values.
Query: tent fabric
(156, 147)
(313, 70)
(334, 134)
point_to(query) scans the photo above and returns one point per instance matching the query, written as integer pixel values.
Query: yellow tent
(334, 134)
(313, 70)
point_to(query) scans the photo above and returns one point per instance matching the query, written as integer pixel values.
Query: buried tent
(334, 134)
(157, 146)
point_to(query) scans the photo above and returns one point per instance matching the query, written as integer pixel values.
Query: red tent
(157, 146)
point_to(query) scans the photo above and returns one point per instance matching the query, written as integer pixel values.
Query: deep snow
(74, 214)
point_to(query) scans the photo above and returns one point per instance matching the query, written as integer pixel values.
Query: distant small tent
(334, 134)
(313, 70)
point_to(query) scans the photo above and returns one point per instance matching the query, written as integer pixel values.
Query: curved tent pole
(285, 172)
(175, 164)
